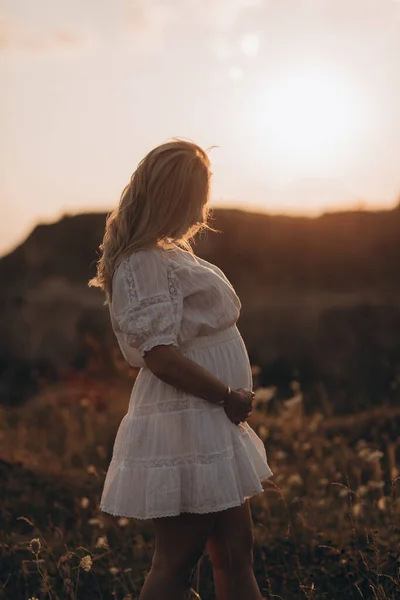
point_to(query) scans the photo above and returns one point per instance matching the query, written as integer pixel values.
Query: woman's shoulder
(144, 256)
(157, 252)
(169, 255)
(159, 258)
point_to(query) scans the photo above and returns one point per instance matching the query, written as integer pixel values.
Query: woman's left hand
(238, 405)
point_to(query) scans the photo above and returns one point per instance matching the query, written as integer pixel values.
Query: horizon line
(359, 208)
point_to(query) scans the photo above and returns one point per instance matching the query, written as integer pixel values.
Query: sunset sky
(302, 98)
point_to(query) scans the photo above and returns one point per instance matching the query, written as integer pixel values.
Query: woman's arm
(171, 366)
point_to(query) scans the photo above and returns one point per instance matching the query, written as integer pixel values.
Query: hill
(320, 300)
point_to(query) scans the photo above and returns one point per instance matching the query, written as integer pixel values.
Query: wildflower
(280, 454)
(94, 522)
(264, 394)
(35, 545)
(362, 490)
(295, 479)
(123, 522)
(92, 470)
(113, 570)
(102, 542)
(357, 510)
(382, 503)
(33, 598)
(84, 502)
(364, 452)
(86, 563)
(376, 455)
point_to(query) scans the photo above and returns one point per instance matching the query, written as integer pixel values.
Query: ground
(326, 527)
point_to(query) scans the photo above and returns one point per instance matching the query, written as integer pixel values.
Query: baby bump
(224, 355)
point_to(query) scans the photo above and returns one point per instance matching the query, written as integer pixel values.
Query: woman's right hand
(238, 405)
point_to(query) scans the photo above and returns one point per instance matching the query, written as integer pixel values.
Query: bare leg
(220, 558)
(231, 551)
(180, 542)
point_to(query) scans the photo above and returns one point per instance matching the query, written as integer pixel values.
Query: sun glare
(311, 120)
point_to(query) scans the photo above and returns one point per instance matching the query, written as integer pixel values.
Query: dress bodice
(168, 296)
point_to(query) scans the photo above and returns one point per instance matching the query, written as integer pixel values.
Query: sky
(300, 97)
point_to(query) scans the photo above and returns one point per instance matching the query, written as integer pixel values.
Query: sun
(310, 120)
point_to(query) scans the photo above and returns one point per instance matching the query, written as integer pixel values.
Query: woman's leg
(179, 543)
(231, 551)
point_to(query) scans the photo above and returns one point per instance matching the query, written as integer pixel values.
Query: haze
(301, 97)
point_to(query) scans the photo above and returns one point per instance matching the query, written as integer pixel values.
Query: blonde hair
(166, 201)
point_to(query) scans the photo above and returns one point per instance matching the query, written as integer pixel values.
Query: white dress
(175, 452)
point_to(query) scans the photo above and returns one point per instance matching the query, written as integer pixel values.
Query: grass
(326, 527)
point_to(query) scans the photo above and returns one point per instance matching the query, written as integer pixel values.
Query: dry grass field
(326, 527)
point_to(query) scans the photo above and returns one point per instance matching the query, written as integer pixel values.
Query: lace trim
(206, 508)
(158, 341)
(130, 280)
(172, 406)
(177, 461)
(172, 285)
(146, 302)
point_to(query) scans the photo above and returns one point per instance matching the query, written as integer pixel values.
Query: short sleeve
(146, 300)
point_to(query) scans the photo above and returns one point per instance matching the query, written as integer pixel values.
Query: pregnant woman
(184, 455)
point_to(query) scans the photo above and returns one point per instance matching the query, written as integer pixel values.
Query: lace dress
(175, 452)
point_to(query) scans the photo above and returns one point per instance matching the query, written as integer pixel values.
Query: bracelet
(227, 393)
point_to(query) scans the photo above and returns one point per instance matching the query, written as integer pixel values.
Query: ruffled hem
(223, 481)
(202, 511)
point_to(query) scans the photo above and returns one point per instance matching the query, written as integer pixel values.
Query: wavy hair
(166, 201)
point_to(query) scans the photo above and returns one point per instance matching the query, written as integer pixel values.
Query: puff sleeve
(147, 302)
